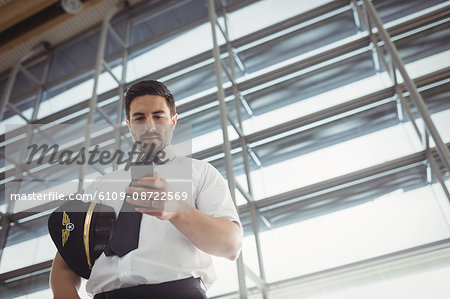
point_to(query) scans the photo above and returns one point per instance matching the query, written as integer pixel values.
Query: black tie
(125, 237)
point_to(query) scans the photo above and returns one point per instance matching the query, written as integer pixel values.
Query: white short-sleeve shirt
(163, 254)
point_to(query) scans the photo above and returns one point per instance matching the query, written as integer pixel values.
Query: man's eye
(139, 118)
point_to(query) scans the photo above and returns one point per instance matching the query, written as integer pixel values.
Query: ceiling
(26, 24)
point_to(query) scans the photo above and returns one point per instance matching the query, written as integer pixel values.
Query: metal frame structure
(397, 66)
(12, 78)
(219, 67)
(392, 265)
(225, 60)
(100, 64)
(226, 141)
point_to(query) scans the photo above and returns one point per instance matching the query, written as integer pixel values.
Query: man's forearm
(216, 236)
(63, 281)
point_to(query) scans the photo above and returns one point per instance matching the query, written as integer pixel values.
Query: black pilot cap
(80, 231)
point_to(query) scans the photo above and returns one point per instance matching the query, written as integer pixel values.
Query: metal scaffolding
(100, 64)
(396, 67)
(220, 66)
(373, 44)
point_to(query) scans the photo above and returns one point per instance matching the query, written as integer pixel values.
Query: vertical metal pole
(410, 85)
(40, 92)
(93, 101)
(3, 233)
(118, 127)
(364, 18)
(226, 141)
(19, 169)
(356, 16)
(433, 165)
(243, 144)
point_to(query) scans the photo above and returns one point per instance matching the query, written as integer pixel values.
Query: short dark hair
(149, 87)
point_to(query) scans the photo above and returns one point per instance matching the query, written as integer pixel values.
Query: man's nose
(150, 124)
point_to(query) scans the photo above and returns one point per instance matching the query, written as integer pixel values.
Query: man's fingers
(134, 189)
(151, 213)
(156, 183)
(140, 202)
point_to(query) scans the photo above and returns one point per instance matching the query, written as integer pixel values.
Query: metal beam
(104, 115)
(40, 91)
(135, 10)
(73, 148)
(437, 171)
(391, 265)
(17, 111)
(397, 29)
(261, 284)
(311, 194)
(29, 75)
(25, 271)
(319, 116)
(410, 85)
(119, 111)
(3, 233)
(340, 182)
(93, 100)
(260, 281)
(397, 262)
(116, 36)
(12, 78)
(8, 90)
(226, 141)
(110, 72)
(376, 98)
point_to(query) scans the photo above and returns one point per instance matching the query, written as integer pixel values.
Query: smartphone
(140, 170)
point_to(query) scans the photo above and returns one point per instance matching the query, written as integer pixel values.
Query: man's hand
(151, 198)
(216, 236)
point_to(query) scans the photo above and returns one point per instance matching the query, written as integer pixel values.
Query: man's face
(151, 123)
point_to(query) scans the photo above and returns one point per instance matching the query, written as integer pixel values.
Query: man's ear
(174, 119)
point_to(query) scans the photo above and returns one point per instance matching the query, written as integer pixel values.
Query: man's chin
(151, 146)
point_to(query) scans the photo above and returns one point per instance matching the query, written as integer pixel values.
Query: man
(176, 239)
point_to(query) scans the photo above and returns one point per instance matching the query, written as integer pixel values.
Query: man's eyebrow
(153, 113)
(159, 112)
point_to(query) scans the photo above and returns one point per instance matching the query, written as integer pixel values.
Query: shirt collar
(170, 154)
